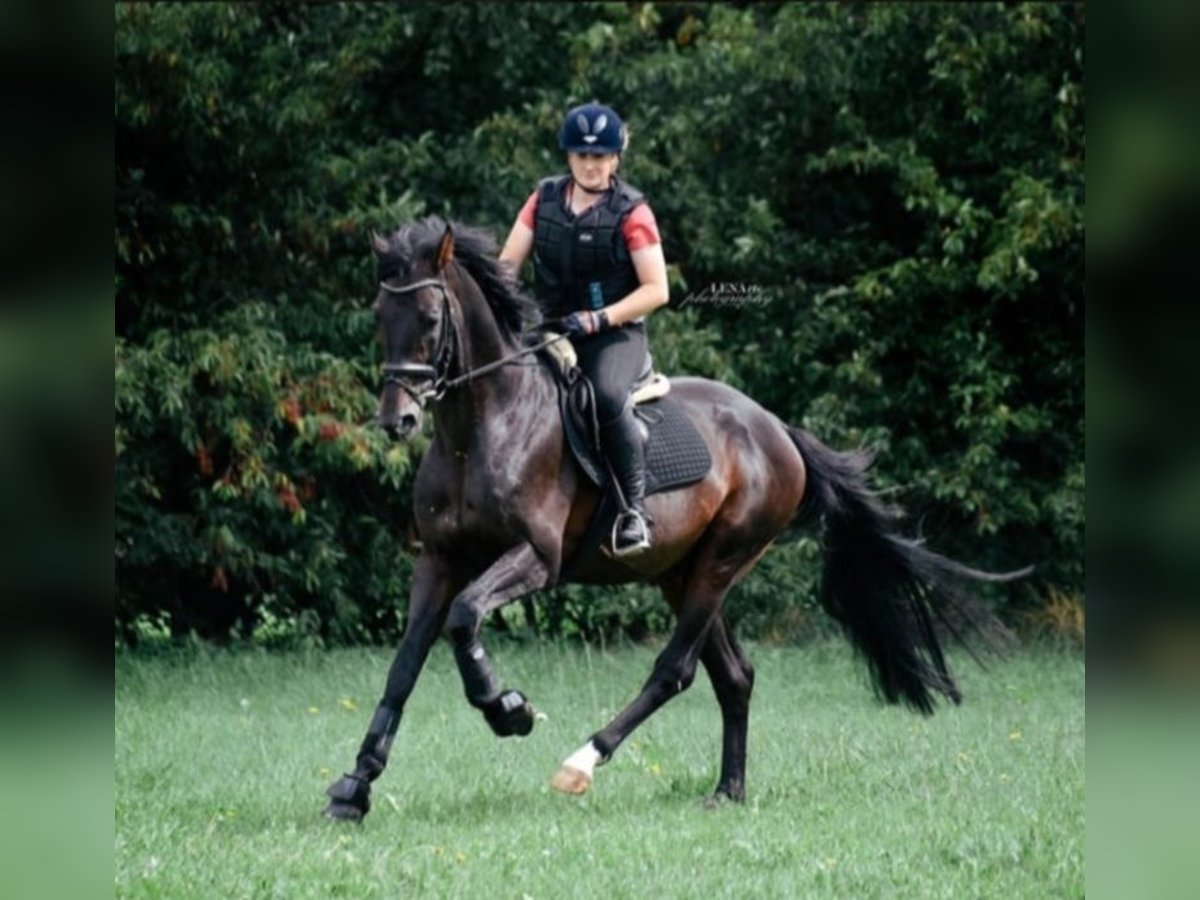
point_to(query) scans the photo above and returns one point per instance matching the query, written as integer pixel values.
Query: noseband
(436, 375)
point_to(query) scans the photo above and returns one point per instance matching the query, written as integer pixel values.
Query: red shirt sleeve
(640, 229)
(528, 211)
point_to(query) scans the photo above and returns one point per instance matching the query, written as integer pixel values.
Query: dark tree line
(900, 187)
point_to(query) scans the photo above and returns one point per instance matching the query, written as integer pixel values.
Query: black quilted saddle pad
(676, 455)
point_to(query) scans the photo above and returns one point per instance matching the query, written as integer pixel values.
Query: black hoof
(343, 812)
(723, 797)
(350, 799)
(510, 714)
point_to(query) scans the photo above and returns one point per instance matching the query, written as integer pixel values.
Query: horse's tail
(889, 593)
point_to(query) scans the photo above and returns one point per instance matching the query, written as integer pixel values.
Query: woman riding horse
(599, 269)
(500, 506)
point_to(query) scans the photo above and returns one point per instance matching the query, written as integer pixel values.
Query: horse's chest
(467, 500)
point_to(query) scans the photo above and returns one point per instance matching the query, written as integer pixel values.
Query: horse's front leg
(433, 585)
(517, 572)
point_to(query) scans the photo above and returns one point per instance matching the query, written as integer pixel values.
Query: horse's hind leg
(729, 553)
(673, 673)
(350, 795)
(732, 679)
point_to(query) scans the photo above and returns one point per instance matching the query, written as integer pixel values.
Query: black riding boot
(623, 447)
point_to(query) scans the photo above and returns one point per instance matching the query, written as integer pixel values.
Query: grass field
(222, 760)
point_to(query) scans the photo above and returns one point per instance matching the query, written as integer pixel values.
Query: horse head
(444, 304)
(415, 314)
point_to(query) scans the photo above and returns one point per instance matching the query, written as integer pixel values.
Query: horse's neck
(466, 412)
(481, 338)
(467, 415)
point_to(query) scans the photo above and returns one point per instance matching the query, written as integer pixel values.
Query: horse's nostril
(407, 423)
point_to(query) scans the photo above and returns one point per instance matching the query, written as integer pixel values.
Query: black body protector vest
(581, 262)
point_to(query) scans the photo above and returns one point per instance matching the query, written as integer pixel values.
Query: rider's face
(592, 170)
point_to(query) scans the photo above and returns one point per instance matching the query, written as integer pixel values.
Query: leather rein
(437, 376)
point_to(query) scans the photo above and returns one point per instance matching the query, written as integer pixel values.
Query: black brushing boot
(623, 447)
(350, 795)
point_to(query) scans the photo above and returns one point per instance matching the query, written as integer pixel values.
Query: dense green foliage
(899, 187)
(844, 799)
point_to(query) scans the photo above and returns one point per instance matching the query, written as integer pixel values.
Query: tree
(898, 189)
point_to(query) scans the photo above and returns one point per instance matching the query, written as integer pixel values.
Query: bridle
(437, 376)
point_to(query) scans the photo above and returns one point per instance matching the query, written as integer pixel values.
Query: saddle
(675, 453)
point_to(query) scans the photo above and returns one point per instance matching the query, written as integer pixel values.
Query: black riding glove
(585, 322)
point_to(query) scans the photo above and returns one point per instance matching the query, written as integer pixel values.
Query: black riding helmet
(593, 128)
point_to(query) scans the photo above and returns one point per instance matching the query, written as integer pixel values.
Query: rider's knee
(611, 406)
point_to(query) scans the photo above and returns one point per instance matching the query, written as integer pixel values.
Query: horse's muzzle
(401, 427)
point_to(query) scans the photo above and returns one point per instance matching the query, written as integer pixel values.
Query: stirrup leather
(642, 543)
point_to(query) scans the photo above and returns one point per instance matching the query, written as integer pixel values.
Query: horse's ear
(446, 250)
(378, 244)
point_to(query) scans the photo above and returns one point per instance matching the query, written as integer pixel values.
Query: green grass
(222, 760)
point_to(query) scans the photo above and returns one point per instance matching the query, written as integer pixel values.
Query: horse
(500, 507)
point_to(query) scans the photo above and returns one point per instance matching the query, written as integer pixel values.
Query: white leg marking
(584, 759)
(574, 776)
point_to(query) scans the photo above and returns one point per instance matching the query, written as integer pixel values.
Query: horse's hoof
(510, 714)
(725, 795)
(344, 812)
(520, 721)
(569, 780)
(724, 798)
(349, 799)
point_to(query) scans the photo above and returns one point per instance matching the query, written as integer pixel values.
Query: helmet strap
(580, 187)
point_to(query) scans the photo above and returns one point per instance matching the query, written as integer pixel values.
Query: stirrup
(642, 543)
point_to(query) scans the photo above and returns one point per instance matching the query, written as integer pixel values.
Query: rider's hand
(583, 322)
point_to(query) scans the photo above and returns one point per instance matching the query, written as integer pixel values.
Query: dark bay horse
(501, 506)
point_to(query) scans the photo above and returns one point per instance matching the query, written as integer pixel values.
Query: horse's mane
(474, 250)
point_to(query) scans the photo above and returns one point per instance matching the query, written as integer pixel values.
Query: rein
(437, 374)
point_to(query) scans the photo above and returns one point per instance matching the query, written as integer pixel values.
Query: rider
(599, 268)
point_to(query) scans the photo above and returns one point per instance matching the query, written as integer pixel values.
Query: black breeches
(613, 360)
